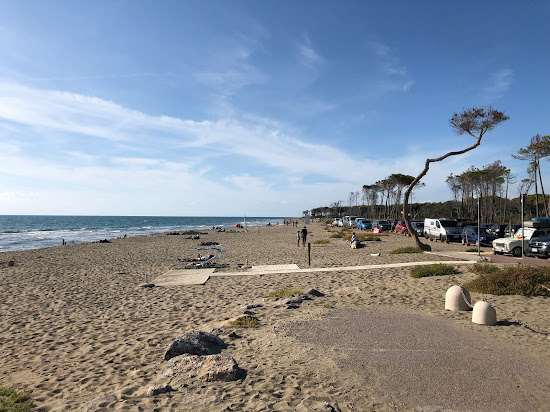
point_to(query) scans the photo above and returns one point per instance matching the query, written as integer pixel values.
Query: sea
(21, 232)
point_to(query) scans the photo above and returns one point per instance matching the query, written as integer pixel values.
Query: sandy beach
(78, 331)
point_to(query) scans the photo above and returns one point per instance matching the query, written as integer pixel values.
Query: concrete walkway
(464, 255)
(339, 268)
(200, 276)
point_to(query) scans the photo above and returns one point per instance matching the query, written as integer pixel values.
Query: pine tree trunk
(542, 190)
(536, 189)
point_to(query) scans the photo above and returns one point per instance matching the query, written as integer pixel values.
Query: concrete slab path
(184, 277)
(200, 276)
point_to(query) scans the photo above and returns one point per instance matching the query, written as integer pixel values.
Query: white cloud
(395, 74)
(247, 182)
(388, 62)
(308, 54)
(498, 84)
(183, 165)
(229, 68)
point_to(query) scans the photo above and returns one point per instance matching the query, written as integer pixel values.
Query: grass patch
(363, 238)
(328, 306)
(513, 280)
(437, 269)
(484, 268)
(409, 249)
(337, 235)
(245, 321)
(283, 293)
(321, 242)
(12, 400)
(472, 249)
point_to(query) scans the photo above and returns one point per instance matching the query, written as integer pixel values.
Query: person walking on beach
(298, 239)
(304, 236)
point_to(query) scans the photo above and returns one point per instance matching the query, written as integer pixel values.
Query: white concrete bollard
(484, 314)
(454, 298)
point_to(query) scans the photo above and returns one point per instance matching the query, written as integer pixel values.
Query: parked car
(418, 227)
(336, 222)
(513, 244)
(348, 220)
(442, 229)
(539, 247)
(498, 230)
(464, 223)
(400, 227)
(382, 225)
(363, 224)
(470, 235)
(515, 228)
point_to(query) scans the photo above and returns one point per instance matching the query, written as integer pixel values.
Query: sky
(257, 108)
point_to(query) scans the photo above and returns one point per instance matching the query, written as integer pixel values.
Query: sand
(79, 333)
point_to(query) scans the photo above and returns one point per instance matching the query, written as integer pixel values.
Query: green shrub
(12, 400)
(513, 280)
(283, 293)
(409, 249)
(321, 242)
(363, 238)
(437, 269)
(484, 268)
(245, 322)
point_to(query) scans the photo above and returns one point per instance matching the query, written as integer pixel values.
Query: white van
(442, 229)
(348, 220)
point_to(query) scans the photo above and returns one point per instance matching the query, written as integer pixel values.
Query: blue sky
(263, 108)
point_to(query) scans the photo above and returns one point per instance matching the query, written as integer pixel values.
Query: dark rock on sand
(208, 368)
(328, 407)
(216, 331)
(159, 389)
(195, 343)
(315, 292)
(296, 299)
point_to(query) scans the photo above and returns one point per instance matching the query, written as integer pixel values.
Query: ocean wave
(33, 232)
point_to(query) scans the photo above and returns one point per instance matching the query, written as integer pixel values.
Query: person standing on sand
(298, 239)
(304, 236)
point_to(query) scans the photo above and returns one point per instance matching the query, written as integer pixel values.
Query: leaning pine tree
(475, 122)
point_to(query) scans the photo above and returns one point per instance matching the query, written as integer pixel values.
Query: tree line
(498, 189)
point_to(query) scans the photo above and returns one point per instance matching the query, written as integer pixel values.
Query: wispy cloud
(308, 55)
(498, 84)
(174, 165)
(230, 66)
(247, 182)
(395, 74)
(388, 62)
(125, 131)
